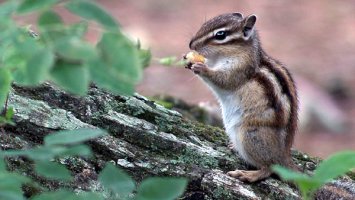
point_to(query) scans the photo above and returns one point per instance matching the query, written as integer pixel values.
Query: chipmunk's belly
(232, 118)
(231, 110)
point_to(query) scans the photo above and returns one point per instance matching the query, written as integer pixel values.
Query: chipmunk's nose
(190, 44)
(194, 45)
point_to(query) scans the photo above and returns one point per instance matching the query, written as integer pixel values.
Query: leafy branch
(59, 53)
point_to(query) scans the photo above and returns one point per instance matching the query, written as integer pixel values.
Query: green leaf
(12, 58)
(68, 195)
(336, 165)
(307, 184)
(77, 150)
(73, 48)
(24, 48)
(7, 8)
(73, 136)
(7, 26)
(33, 5)
(44, 153)
(9, 113)
(50, 152)
(11, 178)
(144, 57)
(7, 119)
(11, 184)
(116, 180)
(39, 153)
(119, 60)
(288, 174)
(52, 170)
(11, 195)
(118, 68)
(161, 188)
(2, 121)
(38, 66)
(90, 196)
(107, 77)
(25, 45)
(52, 28)
(92, 11)
(49, 19)
(78, 29)
(2, 164)
(121, 55)
(59, 194)
(5, 84)
(73, 77)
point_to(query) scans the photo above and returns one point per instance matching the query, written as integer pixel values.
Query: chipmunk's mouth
(202, 52)
(208, 53)
(214, 58)
(193, 57)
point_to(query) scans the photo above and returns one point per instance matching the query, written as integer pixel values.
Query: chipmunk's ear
(248, 26)
(240, 15)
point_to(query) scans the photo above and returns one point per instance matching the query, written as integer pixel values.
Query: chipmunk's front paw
(188, 65)
(199, 68)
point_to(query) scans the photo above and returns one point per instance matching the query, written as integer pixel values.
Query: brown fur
(288, 88)
(266, 90)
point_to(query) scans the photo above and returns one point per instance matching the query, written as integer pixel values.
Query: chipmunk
(256, 93)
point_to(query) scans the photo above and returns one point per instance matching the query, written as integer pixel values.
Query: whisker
(191, 79)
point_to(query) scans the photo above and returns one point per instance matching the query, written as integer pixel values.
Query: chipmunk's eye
(220, 35)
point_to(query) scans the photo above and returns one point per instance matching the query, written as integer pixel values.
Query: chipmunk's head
(225, 35)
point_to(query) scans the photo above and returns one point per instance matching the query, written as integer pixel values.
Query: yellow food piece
(195, 57)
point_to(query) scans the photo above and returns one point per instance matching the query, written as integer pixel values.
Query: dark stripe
(232, 41)
(210, 40)
(202, 33)
(273, 101)
(281, 79)
(286, 86)
(212, 28)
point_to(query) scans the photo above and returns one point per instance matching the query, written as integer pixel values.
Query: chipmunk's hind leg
(250, 176)
(263, 148)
